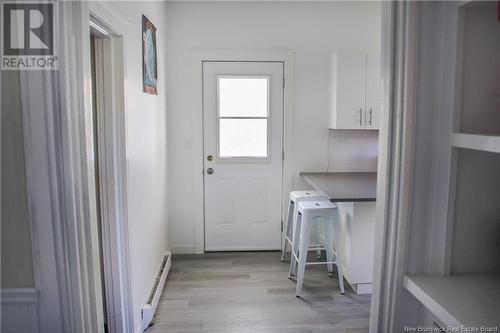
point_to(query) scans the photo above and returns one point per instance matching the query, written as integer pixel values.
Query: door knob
(210, 158)
(210, 171)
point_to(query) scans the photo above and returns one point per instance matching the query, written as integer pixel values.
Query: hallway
(248, 292)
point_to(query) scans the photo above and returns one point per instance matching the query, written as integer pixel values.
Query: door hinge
(282, 155)
(283, 82)
(282, 226)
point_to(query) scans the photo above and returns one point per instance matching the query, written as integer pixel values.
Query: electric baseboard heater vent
(148, 310)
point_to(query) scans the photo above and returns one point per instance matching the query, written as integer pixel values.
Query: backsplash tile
(352, 150)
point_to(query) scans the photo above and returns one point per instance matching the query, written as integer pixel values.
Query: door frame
(111, 133)
(198, 57)
(400, 22)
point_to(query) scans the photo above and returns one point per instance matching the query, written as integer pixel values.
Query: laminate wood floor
(249, 292)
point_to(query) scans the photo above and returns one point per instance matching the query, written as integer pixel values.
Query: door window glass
(243, 116)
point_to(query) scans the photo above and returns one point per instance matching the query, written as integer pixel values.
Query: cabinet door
(373, 92)
(355, 240)
(362, 242)
(349, 79)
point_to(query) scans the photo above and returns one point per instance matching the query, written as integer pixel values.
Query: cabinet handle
(360, 116)
(371, 116)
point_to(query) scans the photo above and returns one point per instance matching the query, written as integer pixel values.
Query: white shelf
(489, 143)
(459, 300)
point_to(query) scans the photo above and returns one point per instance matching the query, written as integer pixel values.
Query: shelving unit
(462, 287)
(461, 300)
(489, 143)
(469, 294)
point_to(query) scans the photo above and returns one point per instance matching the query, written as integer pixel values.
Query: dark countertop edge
(354, 200)
(306, 173)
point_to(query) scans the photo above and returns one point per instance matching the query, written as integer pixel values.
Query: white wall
(313, 31)
(146, 125)
(17, 261)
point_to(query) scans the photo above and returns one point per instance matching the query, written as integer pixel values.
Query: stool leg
(297, 222)
(296, 225)
(338, 251)
(329, 233)
(317, 232)
(341, 276)
(304, 245)
(286, 231)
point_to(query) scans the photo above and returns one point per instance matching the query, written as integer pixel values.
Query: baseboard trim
(184, 249)
(20, 309)
(232, 249)
(19, 295)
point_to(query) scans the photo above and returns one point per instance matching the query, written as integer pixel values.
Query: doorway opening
(108, 143)
(95, 86)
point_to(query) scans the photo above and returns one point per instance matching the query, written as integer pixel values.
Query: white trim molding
(19, 310)
(395, 168)
(186, 249)
(19, 295)
(200, 56)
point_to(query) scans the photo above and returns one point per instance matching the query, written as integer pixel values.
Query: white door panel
(243, 119)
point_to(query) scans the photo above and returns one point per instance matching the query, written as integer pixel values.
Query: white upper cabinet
(355, 90)
(373, 93)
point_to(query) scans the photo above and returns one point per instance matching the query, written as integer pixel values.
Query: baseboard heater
(148, 310)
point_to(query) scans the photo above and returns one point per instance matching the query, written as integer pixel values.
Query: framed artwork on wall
(149, 57)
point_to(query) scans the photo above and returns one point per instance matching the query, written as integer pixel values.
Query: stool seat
(318, 207)
(294, 195)
(295, 198)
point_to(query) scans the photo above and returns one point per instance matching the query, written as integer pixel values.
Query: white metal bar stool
(287, 234)
(310, 213)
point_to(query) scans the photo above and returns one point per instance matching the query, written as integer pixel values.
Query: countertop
(344, 186)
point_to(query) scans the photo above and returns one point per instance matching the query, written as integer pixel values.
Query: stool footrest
(320, 262)
(315, 262)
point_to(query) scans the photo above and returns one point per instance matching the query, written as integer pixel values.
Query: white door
(243, 121)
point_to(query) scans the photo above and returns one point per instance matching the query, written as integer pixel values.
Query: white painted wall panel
(476, 226)
(17, 261)
(480, 99)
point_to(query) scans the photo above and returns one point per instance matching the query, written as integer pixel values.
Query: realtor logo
(28, 35)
